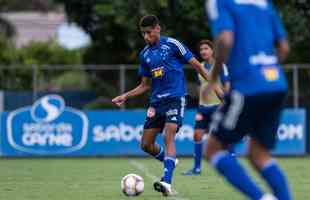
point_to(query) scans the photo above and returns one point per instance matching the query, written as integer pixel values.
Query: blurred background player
(161, 69)
(208, 103)
(251, 38)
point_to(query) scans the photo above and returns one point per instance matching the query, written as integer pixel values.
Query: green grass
(99, 179)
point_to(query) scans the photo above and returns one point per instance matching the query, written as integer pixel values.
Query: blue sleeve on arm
(278, 27)
(220, 16)
(180, 49)
(143, 68)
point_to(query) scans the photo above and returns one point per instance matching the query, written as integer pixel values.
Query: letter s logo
(47, 108)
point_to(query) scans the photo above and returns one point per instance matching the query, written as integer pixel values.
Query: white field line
(151, 176)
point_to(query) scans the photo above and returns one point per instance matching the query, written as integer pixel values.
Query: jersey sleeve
(278, 27)
(224, 76)
(220, 16)
(180, 49)
(144, 70)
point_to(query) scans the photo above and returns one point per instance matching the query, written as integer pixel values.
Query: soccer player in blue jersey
(208, 104)
(161, 69)
(251, 39)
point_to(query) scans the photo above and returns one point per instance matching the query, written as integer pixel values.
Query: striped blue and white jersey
(163, 63)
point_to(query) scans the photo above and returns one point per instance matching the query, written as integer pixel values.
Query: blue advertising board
(50, 128)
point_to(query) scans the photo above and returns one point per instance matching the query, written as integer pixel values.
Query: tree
(296, 17)
(113, 25)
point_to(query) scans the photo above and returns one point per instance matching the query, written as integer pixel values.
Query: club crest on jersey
(151, 112)
(158, 72)
(271, 73)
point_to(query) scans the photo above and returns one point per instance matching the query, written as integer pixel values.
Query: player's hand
(119, 100)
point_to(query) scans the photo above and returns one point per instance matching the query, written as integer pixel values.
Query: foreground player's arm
(204, 73)
(281, 42)
(140, 89)
(282, 50)
(224, 44)
(219, 92)
(226, 87)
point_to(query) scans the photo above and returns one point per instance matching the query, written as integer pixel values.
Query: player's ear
(157, 28)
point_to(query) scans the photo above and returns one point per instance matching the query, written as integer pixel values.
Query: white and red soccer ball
(132, 185)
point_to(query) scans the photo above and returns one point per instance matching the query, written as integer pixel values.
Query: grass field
(99, 179)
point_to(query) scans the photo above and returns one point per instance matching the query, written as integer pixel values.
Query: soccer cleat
(268, 197)
(192, 172)
(163, 187)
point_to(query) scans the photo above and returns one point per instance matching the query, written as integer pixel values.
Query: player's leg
(269, 170)
(152, 127)
(174, 116)
(148, 144)
(263, 140)
(198, 143)
(227, 127)
(198, 135)
(169, 162)
(200, 129)
(229, 167)
(164, 185)
(203, 120)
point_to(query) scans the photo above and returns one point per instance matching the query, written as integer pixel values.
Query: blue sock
(198, 155)
(169, 165)
(229, 167)
(161, 155)
(276, 180)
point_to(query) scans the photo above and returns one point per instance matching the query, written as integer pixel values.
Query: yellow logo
(158, 72)
(271, 73)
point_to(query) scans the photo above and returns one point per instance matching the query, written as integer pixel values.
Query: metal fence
(95, 85)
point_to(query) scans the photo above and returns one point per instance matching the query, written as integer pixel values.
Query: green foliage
(296, 17)
(50, 53)
(71, 80)
(41, 53)
(113, 25)
(8, 52)
(18, 66)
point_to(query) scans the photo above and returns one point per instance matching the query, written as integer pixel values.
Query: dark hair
(207, 42)
(148, 20)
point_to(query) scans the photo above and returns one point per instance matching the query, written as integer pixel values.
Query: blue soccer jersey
(224, 75)
(252, 64)
(163, 63)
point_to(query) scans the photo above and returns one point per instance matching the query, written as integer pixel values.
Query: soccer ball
(132, 185)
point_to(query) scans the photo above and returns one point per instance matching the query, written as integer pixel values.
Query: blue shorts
(257, 116)
(169, 110)
(203, 116)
